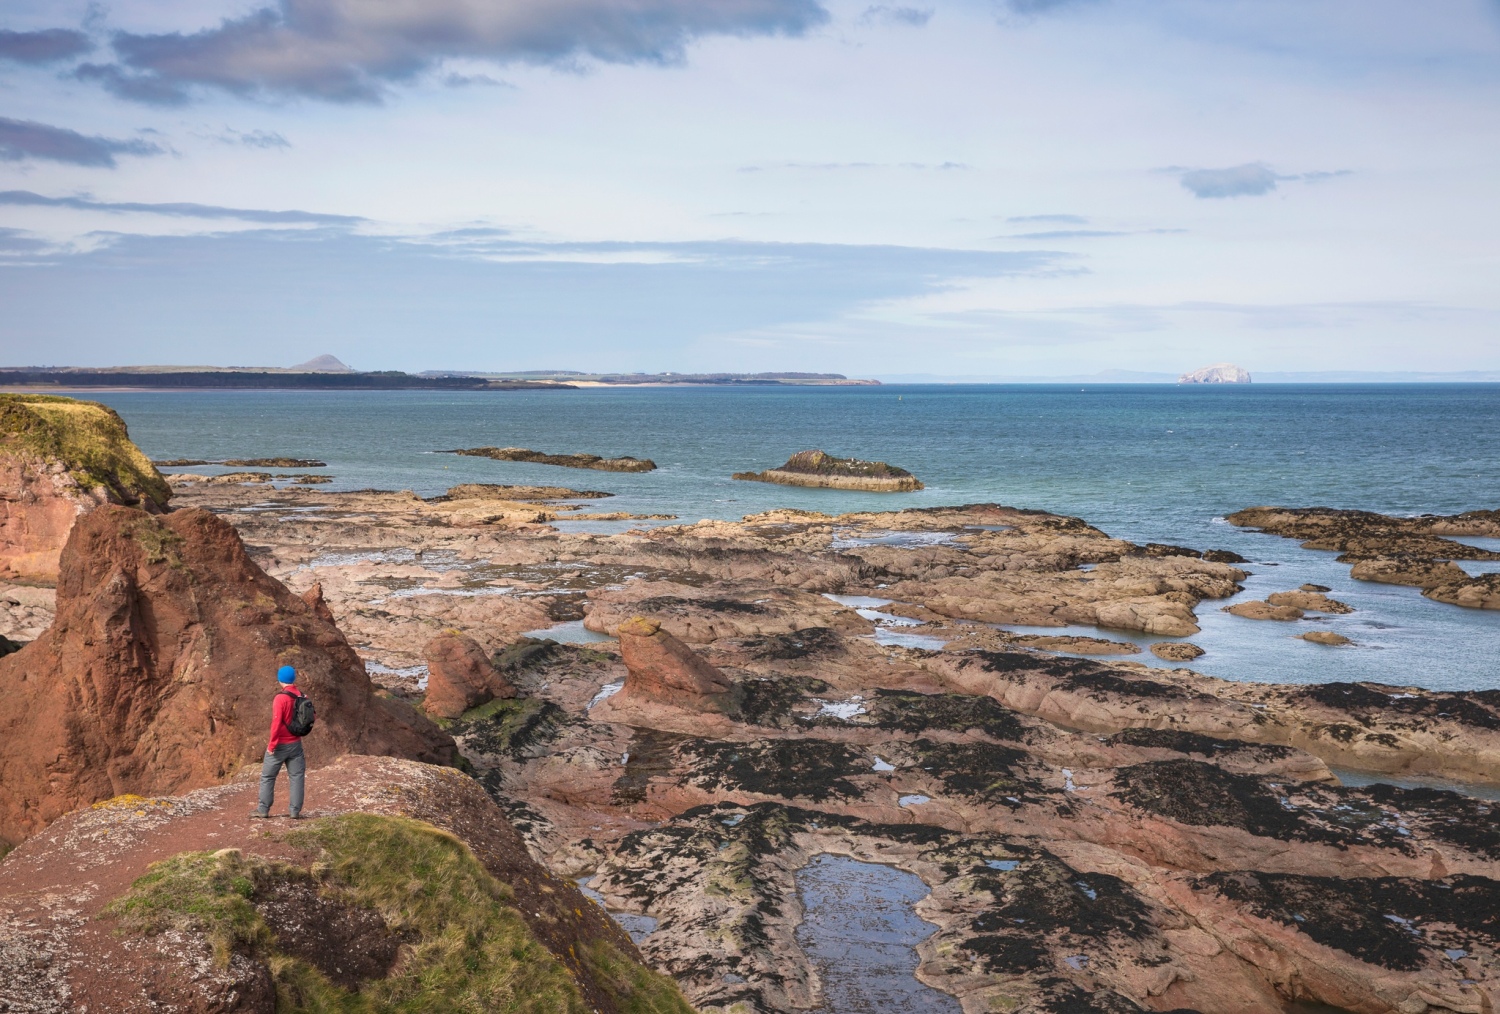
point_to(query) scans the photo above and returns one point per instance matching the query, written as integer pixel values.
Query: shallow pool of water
(860, 932)
(1360, 779)
(571, 632)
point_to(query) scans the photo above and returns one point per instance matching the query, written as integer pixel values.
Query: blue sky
(1015, 187)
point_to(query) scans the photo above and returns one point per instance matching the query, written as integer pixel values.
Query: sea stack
(820, 469)
(1218, 373)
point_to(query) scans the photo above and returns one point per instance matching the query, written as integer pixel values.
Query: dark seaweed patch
(1192, 792)
(520, 728)
(791, 768)
(769, 701)
(671, 604)
(1469, 823)
(797, 644)
(977, 770)
(909, 711)
(1194, 743)
(1392, 922)
(652, 754)
(1362, 702)
(1045, 898)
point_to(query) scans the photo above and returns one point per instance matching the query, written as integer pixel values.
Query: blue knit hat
(286, 674)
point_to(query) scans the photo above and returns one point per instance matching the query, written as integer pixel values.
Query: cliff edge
(59, 459)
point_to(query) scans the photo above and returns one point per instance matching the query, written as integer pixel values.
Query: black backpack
(303, 715)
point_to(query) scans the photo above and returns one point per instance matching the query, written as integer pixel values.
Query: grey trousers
(291, 755)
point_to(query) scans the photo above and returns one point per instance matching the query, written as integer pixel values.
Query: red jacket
(281, 714)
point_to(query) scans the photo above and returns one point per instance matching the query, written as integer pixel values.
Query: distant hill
(322, 364)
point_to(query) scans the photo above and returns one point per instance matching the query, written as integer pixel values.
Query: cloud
(1053, 219)
(46, 46)
(1034, 7)
(916, 17)
(1069, 234)
(832, 166)
(256, 138)
(473, 80)
(1253, 179)
(25, 139)
(343, 51)
(1249, 180)
(25, 198)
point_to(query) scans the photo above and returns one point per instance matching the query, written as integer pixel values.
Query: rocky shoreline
(683, 718)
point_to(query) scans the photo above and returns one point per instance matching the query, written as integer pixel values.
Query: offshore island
(571, 771)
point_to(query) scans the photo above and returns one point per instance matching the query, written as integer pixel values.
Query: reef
(822, 470)
(1416, 551)
(624, 463)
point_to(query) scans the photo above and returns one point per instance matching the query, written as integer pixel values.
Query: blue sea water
(1144, 462)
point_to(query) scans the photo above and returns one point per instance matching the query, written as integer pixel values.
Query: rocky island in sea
(1091, 834)
(624, 463)
(820, 469)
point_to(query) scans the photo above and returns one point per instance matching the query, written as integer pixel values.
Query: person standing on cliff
(285, 746)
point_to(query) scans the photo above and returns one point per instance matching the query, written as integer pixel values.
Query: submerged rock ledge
(624, 463)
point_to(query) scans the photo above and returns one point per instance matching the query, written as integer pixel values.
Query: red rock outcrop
(59, 459)
(460, 676)
(663, 670)
(158, 673)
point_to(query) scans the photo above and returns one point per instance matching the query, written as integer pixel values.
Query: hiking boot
(295, 816)
(259, 815)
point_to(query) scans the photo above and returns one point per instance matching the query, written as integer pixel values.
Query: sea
(1149, 463)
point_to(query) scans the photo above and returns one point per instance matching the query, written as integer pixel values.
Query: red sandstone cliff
(158, 673)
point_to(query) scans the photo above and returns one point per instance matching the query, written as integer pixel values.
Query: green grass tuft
(466, 947)
(205, 891)
(89, 438)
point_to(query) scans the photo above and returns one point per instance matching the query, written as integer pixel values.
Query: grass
(89, 438)
(466, 947)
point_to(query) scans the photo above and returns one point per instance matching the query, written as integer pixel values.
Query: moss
(466, 948)
(90, 439)
(517, 727)
(634, 988)
(205, 891)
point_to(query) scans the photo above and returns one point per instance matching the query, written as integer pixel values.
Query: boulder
(1327, 637)
(1309, 601)
(158, 672)
(661, 669)
(460, 676)
(1176, 651)
(59, 459)
(1258, 610)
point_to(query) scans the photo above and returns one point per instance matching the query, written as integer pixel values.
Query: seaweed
(1394, 922)
(791, 768)
(910, 711)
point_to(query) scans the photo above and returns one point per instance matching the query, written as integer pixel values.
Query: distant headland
(326, 372)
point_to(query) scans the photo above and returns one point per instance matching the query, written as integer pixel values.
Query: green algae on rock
(823, 470)
(624, 463)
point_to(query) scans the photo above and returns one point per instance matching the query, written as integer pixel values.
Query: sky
(954, 187)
